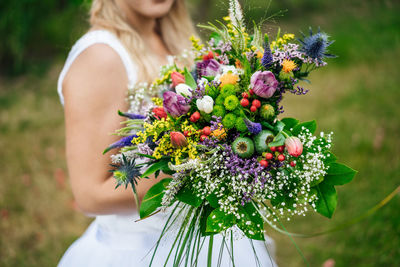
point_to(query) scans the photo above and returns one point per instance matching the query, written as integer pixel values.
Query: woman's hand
(94, 89)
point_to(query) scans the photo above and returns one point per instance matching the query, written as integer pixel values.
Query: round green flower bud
(286, 76)
(220, 100)
(240, 125)
(231, 102)
(267, 111)
(206, 117)
(228, 89)
(239, 112)
(219, 111)
(212, 91)
(229, 120)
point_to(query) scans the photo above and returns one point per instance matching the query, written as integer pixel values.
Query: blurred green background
(357, 96)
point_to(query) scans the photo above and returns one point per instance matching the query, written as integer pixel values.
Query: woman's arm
(94, 89)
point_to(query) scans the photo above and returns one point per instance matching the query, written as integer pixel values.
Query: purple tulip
(263, 83)
(209, 67)
(174, 104)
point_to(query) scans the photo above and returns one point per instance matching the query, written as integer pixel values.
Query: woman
(128, 41)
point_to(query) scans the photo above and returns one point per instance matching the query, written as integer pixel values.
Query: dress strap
(98, 37)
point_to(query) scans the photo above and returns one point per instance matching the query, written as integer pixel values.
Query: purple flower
(253, 127)
(123, 142)
(209, 67)
(267, 59)
(175, 104)
(263, 83)
(131, 116)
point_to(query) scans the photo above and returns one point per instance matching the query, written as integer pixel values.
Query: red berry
(195, 117)
(253, 109)
(245, 95)
(256, 103)
(273, 149)
(244, 102)
(251, 92)
(186, 133)
(281, 157)
(264, 163)
(280, 149)
(203, 137)
(292, 163)
(269, 156)
(207, 130)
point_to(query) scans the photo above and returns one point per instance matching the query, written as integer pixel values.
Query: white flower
(205, 104)
(183, 90)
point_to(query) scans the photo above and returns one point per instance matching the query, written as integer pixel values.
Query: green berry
(267, 111)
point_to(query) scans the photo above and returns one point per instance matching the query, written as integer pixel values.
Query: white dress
(117, 240)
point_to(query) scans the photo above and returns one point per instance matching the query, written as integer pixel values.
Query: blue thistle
(127, 173)
(316, 45)
(267, 59)
(123, 142)
(253, 127)
(131, 116)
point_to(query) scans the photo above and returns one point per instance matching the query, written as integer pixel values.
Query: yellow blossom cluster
(281, 41)
(165, 78)
(157, 101)
(288, 65)
(165, 147)
(196, 43)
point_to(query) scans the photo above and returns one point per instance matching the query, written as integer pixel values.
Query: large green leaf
(327, 199)
(152, 199)
(161, 165)
(251, 222)
(279, 140)
(219, 221)
(189, 80)
(289, 123)
(339, 174)
(310, 125)
(203, 220)
(186, 195)
(213, 200)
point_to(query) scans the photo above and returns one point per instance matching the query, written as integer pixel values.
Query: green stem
(210, 245)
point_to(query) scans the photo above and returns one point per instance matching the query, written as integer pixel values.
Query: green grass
(356, 96)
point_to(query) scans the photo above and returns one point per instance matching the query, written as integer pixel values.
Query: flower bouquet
(234, 164)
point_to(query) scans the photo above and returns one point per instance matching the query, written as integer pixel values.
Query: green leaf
(267, 125)
(203, 220)
(339, 174)
(186, 195)
(310, 125)
(189, 80)
(330, 158)
(219, 221)
(251, 223)
(327, 199)
(159, 165)
(279, 126)
(152, 199)
(213, 200)
(217, 38)
(145, 156)
(289, 123)
(279, 140)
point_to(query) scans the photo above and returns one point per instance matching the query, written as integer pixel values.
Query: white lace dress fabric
(117, 240)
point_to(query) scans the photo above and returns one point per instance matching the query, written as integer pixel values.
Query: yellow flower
(229, 78)
(220, 134)
(260, 54)
(288, 65)
(157, 101)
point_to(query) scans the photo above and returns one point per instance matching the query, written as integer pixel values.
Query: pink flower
(176, 105)
(178, 139)
(294, 146)
(263, 83)
(177, 78)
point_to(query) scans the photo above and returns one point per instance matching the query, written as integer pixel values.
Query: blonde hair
(175, 29)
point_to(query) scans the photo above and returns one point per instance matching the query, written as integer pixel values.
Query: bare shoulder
(97, 77)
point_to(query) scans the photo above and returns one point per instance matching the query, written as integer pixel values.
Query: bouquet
(216, 129)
